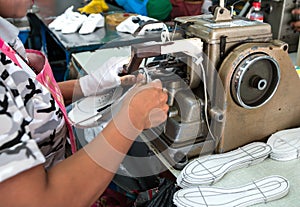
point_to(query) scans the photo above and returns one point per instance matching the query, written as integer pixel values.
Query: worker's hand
(148, 107)
(128, 80)
(106, 77)
(295, 24)
(145, 106)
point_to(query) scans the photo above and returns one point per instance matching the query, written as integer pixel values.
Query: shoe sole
(209, 169)
(261, 191)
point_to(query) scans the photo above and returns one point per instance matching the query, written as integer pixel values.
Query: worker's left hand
(106, 77)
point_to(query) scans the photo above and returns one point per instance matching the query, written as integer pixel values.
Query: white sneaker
(73, 23)
(209, 169)
(59, 21)
(92, 22)
(260, 191)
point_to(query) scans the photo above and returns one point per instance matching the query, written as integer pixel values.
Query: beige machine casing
(282, 111)
(227, 43)
(240, 86)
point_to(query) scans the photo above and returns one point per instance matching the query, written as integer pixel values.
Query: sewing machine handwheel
(255, 80)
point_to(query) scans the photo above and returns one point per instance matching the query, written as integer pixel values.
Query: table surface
(90, 60)
(107, 35)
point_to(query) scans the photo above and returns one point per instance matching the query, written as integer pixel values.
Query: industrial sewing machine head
(229, 84)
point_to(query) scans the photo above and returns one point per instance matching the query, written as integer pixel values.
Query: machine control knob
(258, 82)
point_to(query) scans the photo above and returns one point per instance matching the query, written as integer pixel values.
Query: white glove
(104, 78)
(130, 26)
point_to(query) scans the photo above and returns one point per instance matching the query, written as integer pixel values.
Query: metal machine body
(281, 108)
(246, 90)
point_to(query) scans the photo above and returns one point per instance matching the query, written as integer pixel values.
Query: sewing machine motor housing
(251, 83)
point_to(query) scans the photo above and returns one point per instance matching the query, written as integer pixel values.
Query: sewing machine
(230, 83)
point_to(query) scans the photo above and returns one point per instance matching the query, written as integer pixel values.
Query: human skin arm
(71, 90)
(77, 181)
(14, 8)
(82, 178)
(296, 24)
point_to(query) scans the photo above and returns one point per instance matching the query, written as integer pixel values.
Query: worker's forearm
(94, 167)
(77, 181)
(70, 90)
(81, 178)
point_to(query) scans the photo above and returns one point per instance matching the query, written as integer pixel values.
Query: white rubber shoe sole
(260, 191)
(209, 169)
(285, 144)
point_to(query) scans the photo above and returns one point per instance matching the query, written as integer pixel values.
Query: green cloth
(159, 9)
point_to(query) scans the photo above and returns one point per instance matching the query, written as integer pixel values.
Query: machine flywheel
(255, 80)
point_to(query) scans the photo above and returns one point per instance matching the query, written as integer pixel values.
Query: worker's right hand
(144, 106)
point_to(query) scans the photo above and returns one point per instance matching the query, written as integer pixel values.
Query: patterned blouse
(32, 126)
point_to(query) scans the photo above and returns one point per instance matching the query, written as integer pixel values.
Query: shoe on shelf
(92, 22)
(58, 23)
(73, 23)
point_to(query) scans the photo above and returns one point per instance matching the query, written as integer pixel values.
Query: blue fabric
(23, 35)
(134, 6)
